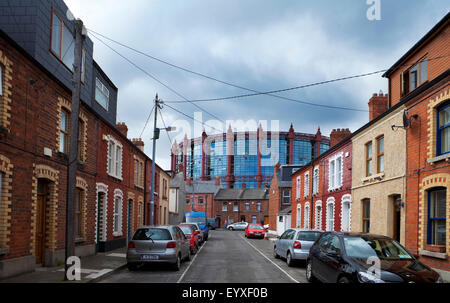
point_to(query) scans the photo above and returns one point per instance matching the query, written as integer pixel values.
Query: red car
(255, 230)
(191, 234)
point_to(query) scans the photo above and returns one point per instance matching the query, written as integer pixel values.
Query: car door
(279, 243)
(184, 243)
(332, 260)
(284, 241)
(318, 258)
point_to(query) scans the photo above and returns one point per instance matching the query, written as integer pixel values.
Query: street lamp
(156, 133)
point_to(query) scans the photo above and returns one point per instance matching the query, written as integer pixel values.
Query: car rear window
(308, 236)
(186, 229)
(152, 233)
(254, 226)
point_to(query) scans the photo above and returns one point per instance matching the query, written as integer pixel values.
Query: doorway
(41, 209)
(396, 224)
(100, 203)
(345, 216)
(130, 216)
(243, 218)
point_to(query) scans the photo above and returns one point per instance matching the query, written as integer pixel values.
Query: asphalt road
(227, 257)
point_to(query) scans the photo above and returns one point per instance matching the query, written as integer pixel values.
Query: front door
(130, 214)
(99, 219)
(396, 218)
(40, 221)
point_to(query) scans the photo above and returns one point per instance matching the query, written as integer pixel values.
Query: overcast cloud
(262, 45)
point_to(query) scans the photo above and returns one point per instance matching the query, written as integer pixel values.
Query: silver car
(158, 244)
(237, 226)
(201, 235)
(294, 244)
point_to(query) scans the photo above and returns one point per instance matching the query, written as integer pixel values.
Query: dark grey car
(294, 244)
(158, 244)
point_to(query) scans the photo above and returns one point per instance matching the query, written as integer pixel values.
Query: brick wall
(242, 212)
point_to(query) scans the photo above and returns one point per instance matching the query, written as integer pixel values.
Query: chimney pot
(378, 104)
(122, 127)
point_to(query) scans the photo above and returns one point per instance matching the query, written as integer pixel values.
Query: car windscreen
(308, 236)
(384, 249)
(196, 220)
(186, 229)
(255, 226)
(143, 234)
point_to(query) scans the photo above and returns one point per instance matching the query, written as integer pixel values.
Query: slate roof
(285, 211)
(242, 194)
(202, 187)
(284, 175)
(177, 181)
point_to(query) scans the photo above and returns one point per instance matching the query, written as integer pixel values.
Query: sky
(257, 44)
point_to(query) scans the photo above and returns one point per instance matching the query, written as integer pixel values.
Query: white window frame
(306, 185)
(114, 158)
(299, 215)
(315, 180)
(117, 228)
(285, 196)
(306, 215)
(318, 215)
(225, 206)
(103, 90)
(258, 206)
(346, 199)
(1, 80)
(236, 207)
(335, 172)
(247, 206)
(298, 187)
(330, 219)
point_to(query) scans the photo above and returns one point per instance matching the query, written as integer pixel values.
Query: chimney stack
(337, 135)
(122, 127)
(217, 181)
(378, 104)
(139, 143)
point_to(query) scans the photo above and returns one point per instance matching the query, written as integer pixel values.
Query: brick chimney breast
(337, 135)
(122, 127)
(378, 104)
(139, 143)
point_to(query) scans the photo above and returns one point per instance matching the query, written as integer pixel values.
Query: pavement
(92, 269)
(227, 257)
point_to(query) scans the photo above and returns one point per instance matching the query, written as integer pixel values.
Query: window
(83, 65)
(225, 206)
(200, 200)
(117, 215)
(187, 201)
(332, 174)
(236, 207)
(81, 127)
(101, 94)
(414, 77)
(115, 159)
(306, 193)
(140, 214)
(286, 197)
(437, 216)
(380, 155)
(443, 129)
(247, 206)
(318, 221)
(298, 188)
(339, 172)
(254, 219)
(79, 198)
(165, 189)
(139, 174)
(335, 172)
(369, 159)
(258, 206)
(330, 216)
(306, 222)
(366, 216)
(64, 132)
(1, 80)
(299, 215)
(316, 181)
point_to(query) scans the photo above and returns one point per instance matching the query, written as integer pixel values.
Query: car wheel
(343, 280)
(177, 265)
(309, 274)
(275, 255)
(289, 260)
(230, 228)
(132, 266)
(188, 257)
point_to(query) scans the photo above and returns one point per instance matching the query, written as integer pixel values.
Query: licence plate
(149, 257)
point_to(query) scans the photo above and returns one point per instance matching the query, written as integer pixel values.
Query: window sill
(443, 157)
(4, 251)
(138, 186)
(115, 177)
(80, 240)
(117, 234)
(432, 254)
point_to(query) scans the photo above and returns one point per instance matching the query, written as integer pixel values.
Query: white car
(237, 226)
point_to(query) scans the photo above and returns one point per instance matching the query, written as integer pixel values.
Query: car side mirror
(333, 254)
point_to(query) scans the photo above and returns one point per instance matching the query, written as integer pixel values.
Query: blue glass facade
(244, 164)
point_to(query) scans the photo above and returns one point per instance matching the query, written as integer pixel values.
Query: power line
(192, 118)
(270, 93)
(146, 123)
(164, 123)
(156, 79)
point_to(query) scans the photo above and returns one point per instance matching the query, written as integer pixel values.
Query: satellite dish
(406, 120)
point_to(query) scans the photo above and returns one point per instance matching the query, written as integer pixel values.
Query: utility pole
(156, 132)
(73, 145)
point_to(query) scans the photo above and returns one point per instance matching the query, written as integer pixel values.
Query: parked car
(237, 226)
(189, 232)
(199, 232)
(200, 219)
(353, 257)
(294, 244)
(213, 223)
(255, 230)
(161, 244)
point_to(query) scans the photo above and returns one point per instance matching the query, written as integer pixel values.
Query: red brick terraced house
(203, 192)
(241, 205)
(420, 80)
